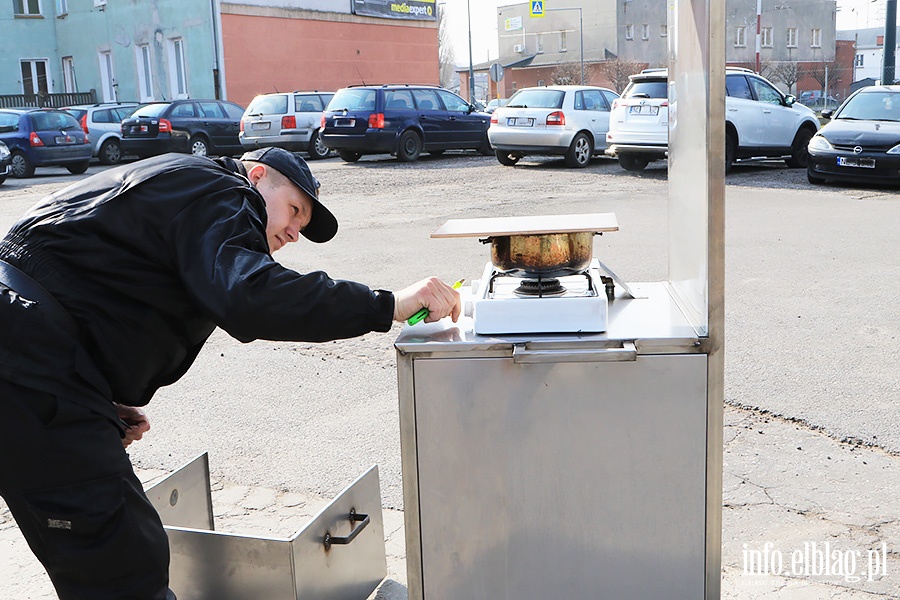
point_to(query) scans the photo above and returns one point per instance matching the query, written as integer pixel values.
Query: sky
(852, 14)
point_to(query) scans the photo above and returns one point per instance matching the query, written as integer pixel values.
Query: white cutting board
(536, 225)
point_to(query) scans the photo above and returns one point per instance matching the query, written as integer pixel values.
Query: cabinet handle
(523, 356)
(363, 520)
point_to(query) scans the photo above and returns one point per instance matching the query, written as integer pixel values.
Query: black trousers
(71, 488)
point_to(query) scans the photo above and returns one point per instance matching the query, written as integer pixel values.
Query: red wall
(267, 54)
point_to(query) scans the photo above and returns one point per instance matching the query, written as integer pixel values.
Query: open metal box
(338, 555)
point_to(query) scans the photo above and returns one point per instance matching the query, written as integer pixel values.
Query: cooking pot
(542, 255)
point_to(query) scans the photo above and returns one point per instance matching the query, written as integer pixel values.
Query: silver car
(566, 120)
(287, 120)
(103, 123)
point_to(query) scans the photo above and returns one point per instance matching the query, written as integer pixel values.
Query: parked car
(103, 123)
(5, 160)
(288, 120)
(565, 120)
(41, 137)
(861, 141)
(495, 104)
(403, 120)
(198, 127)
(816, 97)
(760, 121)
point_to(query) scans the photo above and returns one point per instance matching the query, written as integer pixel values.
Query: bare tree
(767, 68)
(616, 71)
(788, 73)
(445, 50)
(567, 73)
(824, 72)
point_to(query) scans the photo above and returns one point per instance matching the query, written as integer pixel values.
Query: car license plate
(643, 109)
(344, 122)
(65, 139)
(520, 122)
(140, 129)
(260, 125)
(851, 161)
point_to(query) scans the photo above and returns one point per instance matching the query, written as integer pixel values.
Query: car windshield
(45, 121)
(150, 110)
(537, 99)
(872, 106)
(353, 99)
(268, 105)
(647, 89)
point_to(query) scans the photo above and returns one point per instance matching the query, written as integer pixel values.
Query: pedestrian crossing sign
(537, 8)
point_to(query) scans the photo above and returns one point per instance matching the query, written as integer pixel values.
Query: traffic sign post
(496, 72)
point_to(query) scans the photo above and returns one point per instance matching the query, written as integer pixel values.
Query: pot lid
(535, 225)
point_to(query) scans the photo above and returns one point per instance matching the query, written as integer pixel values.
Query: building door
(68, 65)
(107, 77)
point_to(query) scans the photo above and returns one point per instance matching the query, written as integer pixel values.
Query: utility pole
(890, 42)
(471, 70)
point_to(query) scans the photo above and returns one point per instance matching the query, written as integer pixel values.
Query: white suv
(760, 121)
(286, 120)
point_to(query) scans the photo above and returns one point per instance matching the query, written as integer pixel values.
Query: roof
(543, 59)
(864, 38)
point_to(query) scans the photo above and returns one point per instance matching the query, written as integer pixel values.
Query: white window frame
(740, 37)
(540, 43)
(860, 59)
(562, 42)
(35, 79)
(629, 32)
(664, 30)
(815, 37)
(25, 8)
(645, 31)
(765, 37)
(792, 37)
(68, 69)
(62, 8)
(107, 76)
(143, 56)
(540, 83)
(177, 76)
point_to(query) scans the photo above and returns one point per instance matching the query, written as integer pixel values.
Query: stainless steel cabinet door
(561, 480)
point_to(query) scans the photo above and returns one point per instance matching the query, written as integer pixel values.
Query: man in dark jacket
(108, 290)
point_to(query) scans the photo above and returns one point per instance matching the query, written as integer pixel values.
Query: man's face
(289, 209)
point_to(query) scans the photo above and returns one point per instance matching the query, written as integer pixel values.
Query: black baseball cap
(322, 225)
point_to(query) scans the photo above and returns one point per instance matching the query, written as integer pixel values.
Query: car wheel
(579, 153)
(21, 166)
(630, 162)
(110, 152)
(485, 149)
(813, 178)
(78, 168)
(317, 149)
(199, 146)
(800, 149)
(730, 151)
(506, 158)
(349, 156)
(410, 146)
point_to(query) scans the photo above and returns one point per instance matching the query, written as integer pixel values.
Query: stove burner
(540, 288)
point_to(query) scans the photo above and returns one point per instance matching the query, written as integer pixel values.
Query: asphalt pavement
(811, 434)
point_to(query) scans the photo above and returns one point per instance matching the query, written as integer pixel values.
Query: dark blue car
(40, 137)
(402, 120)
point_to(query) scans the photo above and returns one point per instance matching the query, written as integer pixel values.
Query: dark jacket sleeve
(219, 246)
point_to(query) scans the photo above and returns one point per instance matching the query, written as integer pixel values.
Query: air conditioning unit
(520, 48)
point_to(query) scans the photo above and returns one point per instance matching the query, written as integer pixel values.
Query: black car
(402, 120)
(190, 126)
(42, 137)
(861, 142)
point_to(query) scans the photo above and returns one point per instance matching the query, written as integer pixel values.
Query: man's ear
(256, 173)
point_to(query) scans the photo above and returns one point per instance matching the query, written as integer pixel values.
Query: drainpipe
(221, 93)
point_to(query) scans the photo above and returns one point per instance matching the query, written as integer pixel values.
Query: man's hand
(136, 421)
(438, 297)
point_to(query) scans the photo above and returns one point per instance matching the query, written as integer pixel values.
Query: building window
(562, 41)
(815, 38)
(540, 83)
(645, 32)
(859, 60)
(34, 77)
(540, 43)
(145, 74)
(765, 37)
(27, 7)
(107, 77)
(792, 37)
(177, 77)
(62, 8)
(629, 32)
(740, 37)
(663, 30)
(68, 67)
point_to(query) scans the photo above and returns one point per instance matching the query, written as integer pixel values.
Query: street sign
(537, 8)
(496, 72)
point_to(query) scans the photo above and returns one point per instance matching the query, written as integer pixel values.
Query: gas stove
(508, 304)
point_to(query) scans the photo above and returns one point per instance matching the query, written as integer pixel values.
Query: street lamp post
(580, 31)
(471, 70)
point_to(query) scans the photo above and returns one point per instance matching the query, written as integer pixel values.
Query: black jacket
(149, 258)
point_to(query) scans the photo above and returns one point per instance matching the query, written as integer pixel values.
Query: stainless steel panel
(575, 480)
(184, 498)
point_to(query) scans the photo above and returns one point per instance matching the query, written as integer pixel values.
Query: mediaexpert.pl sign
(422, 10)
